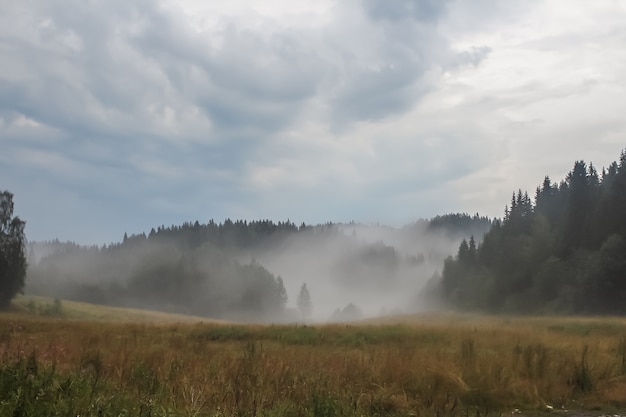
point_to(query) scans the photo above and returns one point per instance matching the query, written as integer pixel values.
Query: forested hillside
(563, 251)
(253, 270)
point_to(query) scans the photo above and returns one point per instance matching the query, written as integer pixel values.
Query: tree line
(191, 268)
(563, 251)
(210, 269)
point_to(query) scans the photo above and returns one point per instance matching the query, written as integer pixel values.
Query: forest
(562, 252)
(256, 270)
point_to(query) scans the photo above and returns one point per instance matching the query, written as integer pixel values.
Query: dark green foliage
(565, 253)
(239, 233)
(324, 405)
(28, 388)
(581, 379)
(460, 222)
(12, 247)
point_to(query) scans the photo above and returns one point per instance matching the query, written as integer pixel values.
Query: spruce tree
(305, 306)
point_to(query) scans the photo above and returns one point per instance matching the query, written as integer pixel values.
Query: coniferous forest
(562, 252)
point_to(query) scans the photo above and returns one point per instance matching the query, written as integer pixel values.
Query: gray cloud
(106, 65)
(421, 10)
(473, 56)
(378, 107)
(388, 67)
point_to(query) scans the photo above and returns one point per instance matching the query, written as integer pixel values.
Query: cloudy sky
(117, 116)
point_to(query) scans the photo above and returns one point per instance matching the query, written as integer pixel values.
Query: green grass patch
(29, 388)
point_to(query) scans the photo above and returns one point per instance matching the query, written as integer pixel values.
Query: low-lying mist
(379, 270)
(254, 271)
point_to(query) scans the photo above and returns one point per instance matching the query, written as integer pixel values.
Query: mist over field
(255, 271)
(381, 270)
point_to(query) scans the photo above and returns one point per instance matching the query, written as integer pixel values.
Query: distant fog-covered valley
(258, 271)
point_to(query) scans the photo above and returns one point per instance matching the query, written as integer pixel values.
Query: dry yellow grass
(446, 364)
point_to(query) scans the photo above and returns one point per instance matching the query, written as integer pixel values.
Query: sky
(118, 116)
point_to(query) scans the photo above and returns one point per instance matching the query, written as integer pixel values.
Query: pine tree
(305, 306)
(463, 255)
(472, 250)
(281, 293)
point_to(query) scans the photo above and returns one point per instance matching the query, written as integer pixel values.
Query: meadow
(63, 359)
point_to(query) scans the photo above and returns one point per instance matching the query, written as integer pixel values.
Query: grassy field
(43, 306)
(115, 363)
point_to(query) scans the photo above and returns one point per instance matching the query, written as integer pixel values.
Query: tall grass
(439, 366)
